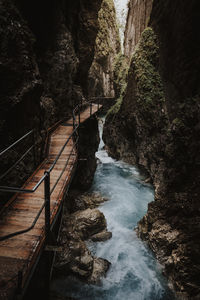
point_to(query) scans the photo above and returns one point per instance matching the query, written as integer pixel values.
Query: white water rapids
(134, 273)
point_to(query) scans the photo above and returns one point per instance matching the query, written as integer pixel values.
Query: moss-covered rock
(144, 65)
(120, 74)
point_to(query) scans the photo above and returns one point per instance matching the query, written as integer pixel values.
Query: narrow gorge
(123, 76)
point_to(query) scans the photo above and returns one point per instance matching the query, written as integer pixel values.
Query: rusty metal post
(19, 284)
(90, 109)
(34, 148)
(47, 233)
(47, 205)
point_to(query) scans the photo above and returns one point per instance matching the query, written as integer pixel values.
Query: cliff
(137, 20)
(157, 127)
(47, 49)
(107, 47)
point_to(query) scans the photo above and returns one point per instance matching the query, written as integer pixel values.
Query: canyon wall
(107, 47)
(157, 127)
(47, 49)
(137, 20)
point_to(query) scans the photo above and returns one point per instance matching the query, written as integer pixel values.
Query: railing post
(47, 233)
(34, 149)
(19, 282)
(47, 205)
(90, 109)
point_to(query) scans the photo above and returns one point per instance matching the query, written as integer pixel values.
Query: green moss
(144, 64)
(120, 74)
(120, 81)
(106, 16)
(115, 108)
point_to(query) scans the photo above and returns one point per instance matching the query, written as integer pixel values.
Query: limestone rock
(79, 201)
(89, 222)
(76, 258)
(100, 268)
(137, 20)
(101, 236)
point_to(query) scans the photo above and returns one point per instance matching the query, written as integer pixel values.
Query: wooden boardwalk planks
(20, 252)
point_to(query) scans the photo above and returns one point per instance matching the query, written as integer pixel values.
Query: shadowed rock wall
(47, 48)
(107, 47)
(157, 127)
(137, 20)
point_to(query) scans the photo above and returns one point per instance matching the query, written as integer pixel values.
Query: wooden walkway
(20, 253)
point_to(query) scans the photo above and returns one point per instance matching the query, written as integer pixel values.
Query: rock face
(87, 146)
(106, 48)
(75, 258)
(47, 49)
(157, 127)
(137, 20)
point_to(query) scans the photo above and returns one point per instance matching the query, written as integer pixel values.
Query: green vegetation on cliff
(120, 74)
(120, 81)
(149, 87)
(106, 17)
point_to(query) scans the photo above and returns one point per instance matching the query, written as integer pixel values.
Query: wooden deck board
(19, 252)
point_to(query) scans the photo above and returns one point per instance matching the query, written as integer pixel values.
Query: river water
(134, 273)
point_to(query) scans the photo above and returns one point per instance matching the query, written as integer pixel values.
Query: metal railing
(48, 190)
(46, 177)
(30, 133)
(80, 107)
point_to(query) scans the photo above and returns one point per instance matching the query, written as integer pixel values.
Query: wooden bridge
(30, 215)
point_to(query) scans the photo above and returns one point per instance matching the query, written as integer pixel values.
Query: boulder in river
(101, 236)
(76, 258)
(100, 267)
(88, 222)
(83, 201)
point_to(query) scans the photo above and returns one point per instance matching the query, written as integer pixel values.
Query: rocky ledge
(78, 227)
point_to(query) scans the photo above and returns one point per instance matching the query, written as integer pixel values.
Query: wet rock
(100, 268)
(83, 201)
(92, 200)
(89, 222)
(75, 258)
(101, 236)
(82, 263)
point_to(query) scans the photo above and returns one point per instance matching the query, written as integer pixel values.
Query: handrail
(45, 178)
(16, 142)
(17, 162)
(8, 236)
(66, 164)
(47, 173)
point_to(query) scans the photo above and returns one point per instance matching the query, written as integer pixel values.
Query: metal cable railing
(46, 177)
(48, 190)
